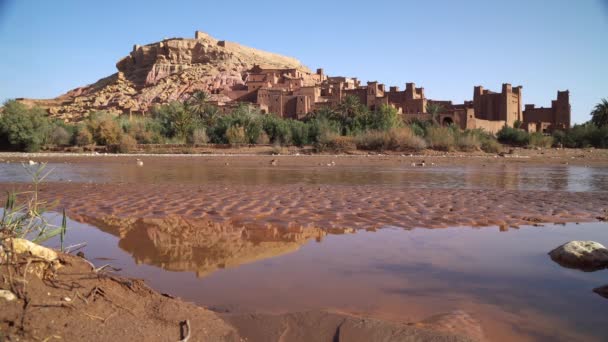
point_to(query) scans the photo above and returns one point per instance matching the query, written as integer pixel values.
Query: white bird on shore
(31, 162)
(140, 162)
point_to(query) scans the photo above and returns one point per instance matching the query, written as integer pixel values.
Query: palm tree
(599, 114)
(434, 109)
(197, 103)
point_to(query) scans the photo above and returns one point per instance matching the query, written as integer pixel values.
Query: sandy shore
(296, 157)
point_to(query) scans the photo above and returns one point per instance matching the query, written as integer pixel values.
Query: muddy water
(193, 170)
(503, 277)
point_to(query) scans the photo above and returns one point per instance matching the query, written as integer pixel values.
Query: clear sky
(49, 47)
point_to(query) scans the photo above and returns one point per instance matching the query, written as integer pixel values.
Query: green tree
(175, 120)
(24, 128)
(350, 113)
(599, 114)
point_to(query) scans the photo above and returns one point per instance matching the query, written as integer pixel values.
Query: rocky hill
(171, 69)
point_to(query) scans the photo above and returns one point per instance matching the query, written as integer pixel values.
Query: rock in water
(588, 256)
(602, 291)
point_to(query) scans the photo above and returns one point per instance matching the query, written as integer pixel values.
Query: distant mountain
(171, 69)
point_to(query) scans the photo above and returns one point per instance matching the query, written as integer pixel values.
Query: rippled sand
(333, 206)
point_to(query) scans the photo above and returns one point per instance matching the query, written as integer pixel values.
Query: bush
(440, 138)
(584, 135)
(263, 139)
(468, 142)
(319, 126)
(174, 120)
(384, 119)
(372, 140)
(83, 136)
(491, 146)
(104, 128)
(397, 139)
(127, 144)
(298, 132)
(60, 136)
(144, 130)
(513, 136)
(236, 135)
(538, 139)
(404, 139)
(24, 128)
(333, 142)
(199, 136)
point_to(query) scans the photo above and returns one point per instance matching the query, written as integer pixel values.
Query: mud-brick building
(556, 117)
(293, 93)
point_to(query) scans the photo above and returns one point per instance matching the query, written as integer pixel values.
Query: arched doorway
(447, 121)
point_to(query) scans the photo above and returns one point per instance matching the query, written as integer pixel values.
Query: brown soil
(77, 303)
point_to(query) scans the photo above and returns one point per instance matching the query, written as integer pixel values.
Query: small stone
(7, 295)
(67, 299)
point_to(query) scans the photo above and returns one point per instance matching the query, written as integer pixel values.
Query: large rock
(584, 255)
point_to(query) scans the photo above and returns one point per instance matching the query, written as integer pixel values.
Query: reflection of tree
(180, 244)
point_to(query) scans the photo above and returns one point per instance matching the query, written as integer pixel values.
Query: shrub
(199, 136)
(24, 128)
(127, 144)
(440, 138)
(333, 142)
(404, 139)
(468, 142)
(236, 135)
(60, 136)
(538, 139)
(263, 139)
(491, 146)
(397, 139)
(83, 136)
(298, 132)
(277, 129)
(144, 130)
(174, 119)
(319, 125)
(513, 136)
(104, 128)
(385, 118)
(372, 140)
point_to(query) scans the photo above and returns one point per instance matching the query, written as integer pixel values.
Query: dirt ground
(79, 303)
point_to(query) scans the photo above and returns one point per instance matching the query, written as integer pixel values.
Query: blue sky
(49, 47)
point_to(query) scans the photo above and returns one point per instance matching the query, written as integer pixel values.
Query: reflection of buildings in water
(504, 177)
(179, 244)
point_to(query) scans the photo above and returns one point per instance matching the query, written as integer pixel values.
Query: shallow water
(503, 278)
(197, 170)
